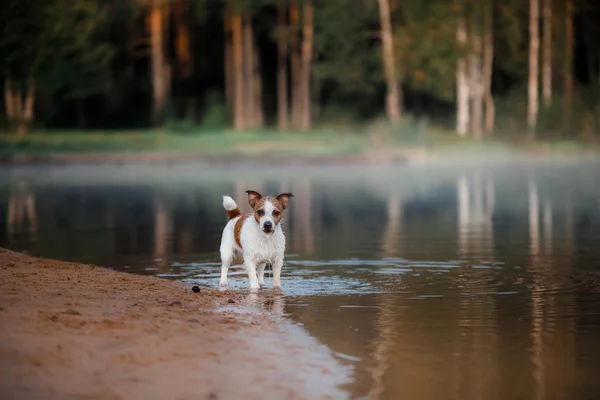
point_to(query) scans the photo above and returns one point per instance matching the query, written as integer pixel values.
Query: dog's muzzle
(268, 227)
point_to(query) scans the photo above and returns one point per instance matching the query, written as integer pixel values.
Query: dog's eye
(260, 213)
(276, 213)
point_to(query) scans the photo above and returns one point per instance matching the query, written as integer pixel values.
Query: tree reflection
(303, 240)
(476, 203)
(22, 210)
(163, 229)
(552, 324)
(395, 212)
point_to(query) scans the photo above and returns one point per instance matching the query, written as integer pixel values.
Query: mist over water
(431, 282)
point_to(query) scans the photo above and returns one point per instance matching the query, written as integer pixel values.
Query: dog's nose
(268, 225)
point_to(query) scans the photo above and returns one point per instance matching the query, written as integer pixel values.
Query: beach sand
(71, 331)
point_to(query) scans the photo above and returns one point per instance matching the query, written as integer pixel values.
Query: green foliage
(511, 37)
(347, 49)
(80, 48)
(57, 43)
(426, 49)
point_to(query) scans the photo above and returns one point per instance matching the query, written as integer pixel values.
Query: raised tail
(231, 207)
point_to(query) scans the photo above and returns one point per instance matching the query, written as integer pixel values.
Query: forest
(513, 69)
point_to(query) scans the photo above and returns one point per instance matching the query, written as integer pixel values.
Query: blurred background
(459, 279)
(337, 76)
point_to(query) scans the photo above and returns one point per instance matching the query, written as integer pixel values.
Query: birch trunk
(569, 43)
(476, 84)
(462, 81)
(547, 55)
(282, 69)
(534, 49)
(295, 64)
(392, 101)
(248, 82)
(488, 64)
(307, 49)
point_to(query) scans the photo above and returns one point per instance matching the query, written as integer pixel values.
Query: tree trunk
(249, 96)
(569, 43)
(476, 83)
(8, 99)
(392, 103)
(228, 52)
(295, 63)
(282, 69)
(462, 81)
(182, 40)
(238, 71)
(533, 83)
(488, 64)
(25, 122)
(547, 56)
(159, 70)
(307, 49)
(19, 110)
(259, 115)
(229, 70)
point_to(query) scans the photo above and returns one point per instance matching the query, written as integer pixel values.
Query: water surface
(439, 282)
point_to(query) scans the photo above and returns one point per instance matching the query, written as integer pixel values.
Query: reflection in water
(391, 246)
(302, 217)
(383, 348)
(372, 269)
(272, 303)
(21, 209)
(553, 341)
(163, 228)
(476, 199)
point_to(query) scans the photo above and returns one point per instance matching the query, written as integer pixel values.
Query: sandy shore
(70, 331)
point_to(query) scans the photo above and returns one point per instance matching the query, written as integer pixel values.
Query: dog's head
(268, 210)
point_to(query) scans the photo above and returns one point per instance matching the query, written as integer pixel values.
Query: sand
(70, 331)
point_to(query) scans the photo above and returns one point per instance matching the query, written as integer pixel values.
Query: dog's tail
(231, 207)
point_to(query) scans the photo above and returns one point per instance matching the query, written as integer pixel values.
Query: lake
(432, 282)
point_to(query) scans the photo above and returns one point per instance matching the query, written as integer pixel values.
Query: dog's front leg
(276, 266)
(261, 274)
(252, 275)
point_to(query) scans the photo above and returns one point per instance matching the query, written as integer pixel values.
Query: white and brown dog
(257, 237)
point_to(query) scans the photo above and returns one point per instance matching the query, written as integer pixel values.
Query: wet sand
(70, 331)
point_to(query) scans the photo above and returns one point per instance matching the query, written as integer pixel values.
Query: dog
(257, 237)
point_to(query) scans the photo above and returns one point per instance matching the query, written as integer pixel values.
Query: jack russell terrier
(257, 237)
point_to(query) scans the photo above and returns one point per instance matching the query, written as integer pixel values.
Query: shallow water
(435, 282)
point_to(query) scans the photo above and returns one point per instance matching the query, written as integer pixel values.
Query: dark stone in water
(196, 289)
(231, 301)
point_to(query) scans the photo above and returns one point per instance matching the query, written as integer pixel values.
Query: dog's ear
(284, 199)
(253, 197)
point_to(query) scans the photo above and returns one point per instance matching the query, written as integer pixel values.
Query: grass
(214, 143)
(377, 136)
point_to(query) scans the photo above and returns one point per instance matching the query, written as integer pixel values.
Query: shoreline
(371, 157)
(70, 331)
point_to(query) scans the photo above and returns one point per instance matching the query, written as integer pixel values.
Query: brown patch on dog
(237, 229)
(284, 199)
(280, 203)
(233, 213)
(259, 211)
(278, 209)
(254, 198)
